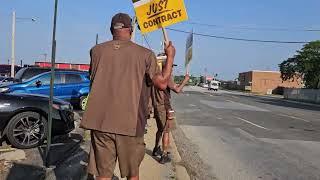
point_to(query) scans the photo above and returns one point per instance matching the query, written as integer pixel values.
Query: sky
(80, 20)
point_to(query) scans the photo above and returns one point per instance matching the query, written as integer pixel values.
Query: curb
(181, 171)
(281, 97)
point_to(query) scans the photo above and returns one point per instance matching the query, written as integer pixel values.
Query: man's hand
(170, 51)
(187, 77)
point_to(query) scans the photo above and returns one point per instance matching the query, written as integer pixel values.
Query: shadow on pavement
(67, 158)
(61, 149)
(24, 171)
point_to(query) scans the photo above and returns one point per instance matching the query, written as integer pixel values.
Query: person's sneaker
(157, 151)
(165, 159)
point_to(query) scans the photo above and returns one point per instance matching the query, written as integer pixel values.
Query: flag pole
(134, 27)
(165, 35)
(188, 65)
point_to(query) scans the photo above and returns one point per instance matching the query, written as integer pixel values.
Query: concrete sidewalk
(69, 157)
(150, 168)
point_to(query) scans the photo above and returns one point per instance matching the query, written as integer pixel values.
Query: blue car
(72, 86)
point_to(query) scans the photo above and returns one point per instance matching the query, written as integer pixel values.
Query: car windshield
(19, 74)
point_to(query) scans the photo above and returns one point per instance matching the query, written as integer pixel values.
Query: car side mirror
(38, 83)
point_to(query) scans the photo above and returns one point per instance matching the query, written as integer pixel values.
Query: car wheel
(27, 130)
(83, 102)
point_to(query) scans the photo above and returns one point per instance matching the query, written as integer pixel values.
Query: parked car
(23, 119)
(72, 86)
(26, 73)
(6, 80)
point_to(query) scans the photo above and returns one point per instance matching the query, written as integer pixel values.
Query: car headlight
(65, 107)
(4, 89)
(62, 107)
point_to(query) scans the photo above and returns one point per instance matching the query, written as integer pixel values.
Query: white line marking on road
(219, 118)
(252, 123)
(230, 101)
(235, 97)
(293, 117)
(192, 105)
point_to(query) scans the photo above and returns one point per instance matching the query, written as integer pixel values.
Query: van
(214, 85)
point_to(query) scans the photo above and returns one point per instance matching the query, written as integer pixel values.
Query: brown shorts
(106, 148)
(164, 125)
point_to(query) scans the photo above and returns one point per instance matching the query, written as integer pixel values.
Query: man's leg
(158, 138)
(131, 151)
(160, 126)
(133, 178)
(165, 144)
(103, 178)
(167, 129)
(102, 158)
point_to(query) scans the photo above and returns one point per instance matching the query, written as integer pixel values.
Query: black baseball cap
(121, 20)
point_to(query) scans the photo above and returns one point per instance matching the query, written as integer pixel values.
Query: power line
(256, 28)
(240, 39)
(146, 40)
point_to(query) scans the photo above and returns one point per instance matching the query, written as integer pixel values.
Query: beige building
(265, 82)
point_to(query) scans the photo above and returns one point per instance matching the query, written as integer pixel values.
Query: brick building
(265, 82)
(5, 69)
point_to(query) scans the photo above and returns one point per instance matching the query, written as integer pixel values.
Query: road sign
(155, 14)
(189, 49)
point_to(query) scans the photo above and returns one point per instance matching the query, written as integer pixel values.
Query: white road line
(252, 123)
(293, 117)
(230, 101)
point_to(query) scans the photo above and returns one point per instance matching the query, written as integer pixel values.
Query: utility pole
(13, 39)
(13, 56)
(53, 59)
(21, 63)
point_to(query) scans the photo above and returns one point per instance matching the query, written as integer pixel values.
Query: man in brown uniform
(117, 106)
(164, 117)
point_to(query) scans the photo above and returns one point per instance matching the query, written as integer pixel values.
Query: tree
(304, 65)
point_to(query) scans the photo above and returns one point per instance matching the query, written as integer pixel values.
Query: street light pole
(13, 56)
(53, 59)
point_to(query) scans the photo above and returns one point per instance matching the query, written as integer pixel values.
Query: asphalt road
(234, 136)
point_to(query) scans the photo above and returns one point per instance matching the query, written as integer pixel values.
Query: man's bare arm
(161, 80)
(177, 88)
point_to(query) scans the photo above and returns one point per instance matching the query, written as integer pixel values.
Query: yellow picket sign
(155, 14)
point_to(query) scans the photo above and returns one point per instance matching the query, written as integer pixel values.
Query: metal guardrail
(305, 95)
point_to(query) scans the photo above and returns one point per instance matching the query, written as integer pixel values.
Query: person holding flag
(164, 115)
(116, 112)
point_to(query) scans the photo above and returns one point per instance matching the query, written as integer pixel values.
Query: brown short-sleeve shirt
(161, 97)
(119, 95)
